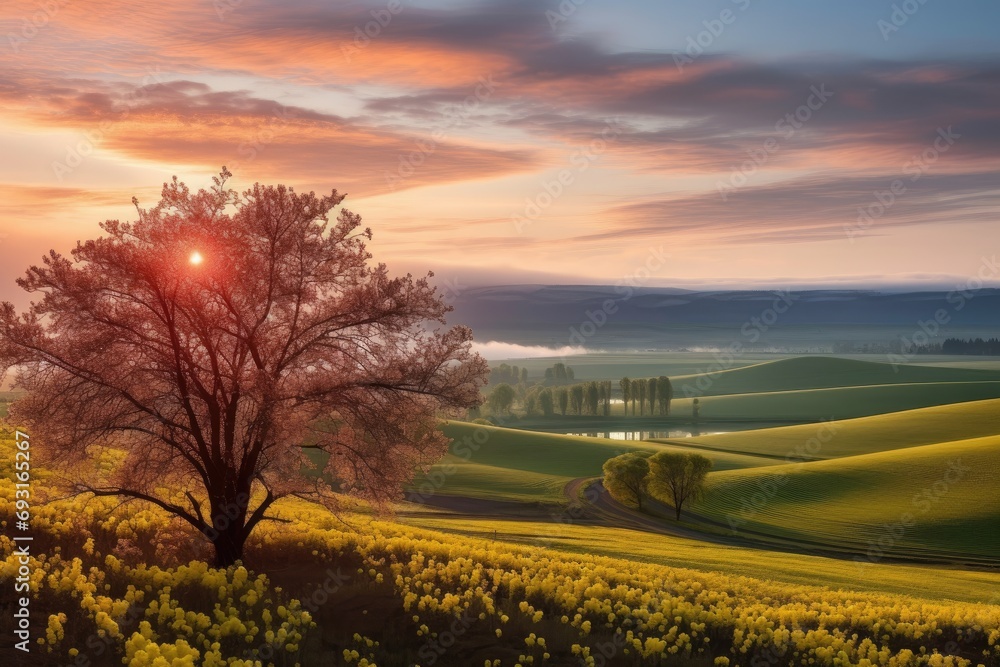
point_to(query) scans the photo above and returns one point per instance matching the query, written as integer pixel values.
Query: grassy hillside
(821, 372)
(837, 403)
(870, 473)
(809, 389)
(960, 421)
(500, 463)
(940, 500)
(510, 464)
(455, 477)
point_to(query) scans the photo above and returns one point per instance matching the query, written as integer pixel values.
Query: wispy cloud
(311, 94)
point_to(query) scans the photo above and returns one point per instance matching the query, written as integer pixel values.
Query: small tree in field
(576, 398)
(531, 402)
(562, 398)
(545, 402)
(213, 337)
(678, 477)
(664, 394)
(501, 399)
(626, 478)
(593, 397)
(626, 384)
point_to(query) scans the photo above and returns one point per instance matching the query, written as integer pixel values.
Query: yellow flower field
(104, 605)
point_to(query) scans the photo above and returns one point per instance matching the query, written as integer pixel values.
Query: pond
(672, 431)
(646, 435)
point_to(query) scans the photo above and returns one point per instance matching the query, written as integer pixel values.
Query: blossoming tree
(217, 338)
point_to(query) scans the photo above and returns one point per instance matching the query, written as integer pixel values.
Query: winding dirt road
(592, 504)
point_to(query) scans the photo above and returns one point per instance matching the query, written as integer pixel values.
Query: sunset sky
(740, 136)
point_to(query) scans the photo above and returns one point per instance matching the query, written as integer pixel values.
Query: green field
(756, 372)
(800, 389)
(500, 463)
(614, 365)
(524, 465)
(822, 372)
(960, 421)
(838, 402)
(849, 486)
(939, 501)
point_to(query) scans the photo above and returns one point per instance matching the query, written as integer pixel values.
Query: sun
(196, 258)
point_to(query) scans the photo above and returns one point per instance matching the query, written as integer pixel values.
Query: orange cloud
(189, 123)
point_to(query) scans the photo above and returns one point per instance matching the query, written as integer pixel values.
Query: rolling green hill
(819, 373)
(959, 421)
(837, 402)
(865, 482)
(501, 463)
(940, 500)
(494, 462)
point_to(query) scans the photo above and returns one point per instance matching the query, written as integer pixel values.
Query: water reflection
(646, 435)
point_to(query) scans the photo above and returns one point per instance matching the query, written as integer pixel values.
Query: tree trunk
(229, 532)
(228, 545)
(677, 511)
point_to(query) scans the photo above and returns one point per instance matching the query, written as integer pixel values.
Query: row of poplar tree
(658, 392)
(643, 396)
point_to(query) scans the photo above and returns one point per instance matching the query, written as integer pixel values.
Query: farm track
(655, 520)
(602, 510)
(658, 519)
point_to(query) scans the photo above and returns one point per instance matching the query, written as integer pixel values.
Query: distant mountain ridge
(625, 317)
